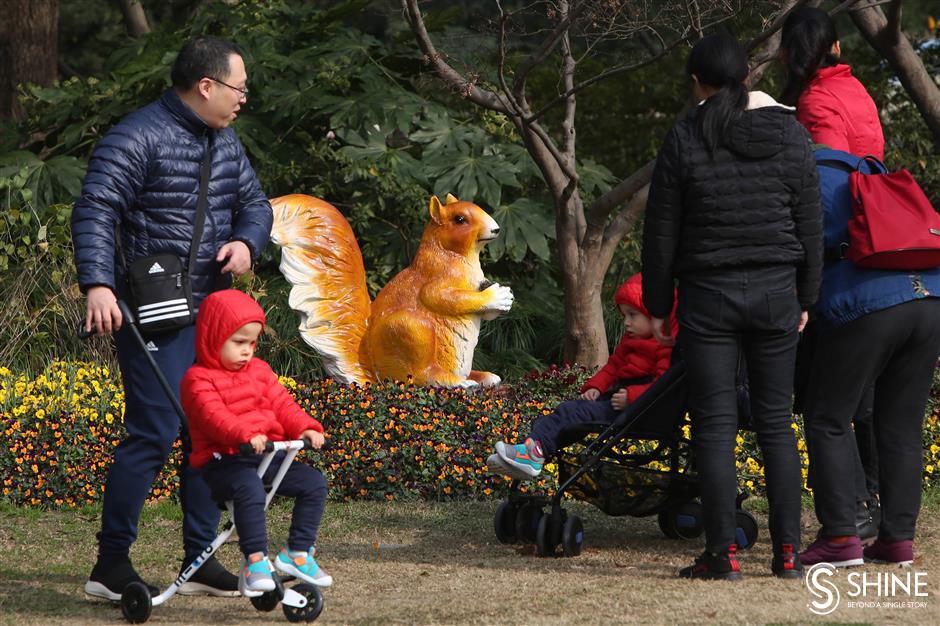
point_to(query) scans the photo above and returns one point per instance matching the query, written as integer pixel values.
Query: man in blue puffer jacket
(139, 198)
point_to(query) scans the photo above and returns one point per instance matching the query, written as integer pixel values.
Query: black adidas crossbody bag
(160, 287)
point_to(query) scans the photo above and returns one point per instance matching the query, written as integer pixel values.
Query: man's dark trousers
(152, 426)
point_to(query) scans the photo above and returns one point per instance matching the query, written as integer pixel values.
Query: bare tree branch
(537, 58)
(134, 18)
(891, 43)
(467, 88)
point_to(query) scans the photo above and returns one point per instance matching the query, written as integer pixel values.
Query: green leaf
(523, 225)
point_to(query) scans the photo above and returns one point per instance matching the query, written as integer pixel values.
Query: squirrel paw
(502, 298)
(468, 384)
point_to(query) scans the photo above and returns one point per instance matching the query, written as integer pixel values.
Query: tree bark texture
(135, 18)
(883, 33)
(29, 32)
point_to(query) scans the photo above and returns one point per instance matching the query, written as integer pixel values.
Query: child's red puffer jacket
(227, 408)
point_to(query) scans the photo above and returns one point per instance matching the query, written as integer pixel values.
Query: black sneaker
(109, 577)
(866, 527)
(711, 566)
(786, 564)
(212, 579)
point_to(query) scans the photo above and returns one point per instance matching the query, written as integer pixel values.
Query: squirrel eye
(460, 219)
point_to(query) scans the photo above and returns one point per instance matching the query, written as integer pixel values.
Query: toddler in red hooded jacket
(232, 398)
(634, 365)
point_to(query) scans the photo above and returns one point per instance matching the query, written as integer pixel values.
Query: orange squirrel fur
(425, 322)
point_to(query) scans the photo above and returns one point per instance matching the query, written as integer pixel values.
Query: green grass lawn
(441, 564)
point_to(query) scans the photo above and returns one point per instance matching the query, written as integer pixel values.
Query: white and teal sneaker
(522, 460)
(302, 565)
(255, 575)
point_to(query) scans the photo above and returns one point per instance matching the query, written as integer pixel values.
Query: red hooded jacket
(227, 408)
(837, 111)
(633, 358)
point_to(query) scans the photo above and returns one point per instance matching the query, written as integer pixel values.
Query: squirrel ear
(435, 210)
(450, 199)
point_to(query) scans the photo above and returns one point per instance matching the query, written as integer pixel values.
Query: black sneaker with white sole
(212, 579)
(109, 577)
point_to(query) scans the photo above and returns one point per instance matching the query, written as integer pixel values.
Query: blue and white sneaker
(302, 565)
(522, 460)
(255, 576)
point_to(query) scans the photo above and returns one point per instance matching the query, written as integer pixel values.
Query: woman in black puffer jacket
(734, 215)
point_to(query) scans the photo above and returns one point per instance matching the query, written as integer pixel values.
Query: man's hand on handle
(102, 314)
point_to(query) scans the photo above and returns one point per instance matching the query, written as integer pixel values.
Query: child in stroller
(639, 464)
(637, 361)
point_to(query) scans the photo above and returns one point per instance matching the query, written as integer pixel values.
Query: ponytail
(719, 61)
(807, 40)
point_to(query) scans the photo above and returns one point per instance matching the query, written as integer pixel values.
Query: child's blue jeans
(236, 478)
(547, 429)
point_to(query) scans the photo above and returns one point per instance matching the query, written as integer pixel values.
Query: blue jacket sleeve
(253, 217)
(113, 180)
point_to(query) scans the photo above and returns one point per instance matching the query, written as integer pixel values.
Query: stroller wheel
(527, 522)
(572, 536)
(545, 542)
(504, 522)
(307, 613)
(267, 601)
(746, 532)
(666, 524)
(135, 603)
(687, 520)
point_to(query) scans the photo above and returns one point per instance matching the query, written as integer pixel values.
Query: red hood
(220, 315)
(631, 294)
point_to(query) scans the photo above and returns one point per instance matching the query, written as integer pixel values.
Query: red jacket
(633, 358)
(227, 408)
(837, 111)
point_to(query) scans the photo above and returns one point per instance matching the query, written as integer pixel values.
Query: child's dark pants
(236, 478)
(546, 429)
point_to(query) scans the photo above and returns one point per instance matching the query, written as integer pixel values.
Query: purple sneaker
(897, 552)
(846, 554)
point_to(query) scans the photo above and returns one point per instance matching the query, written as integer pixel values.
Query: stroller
(639, 465)
(301, 603)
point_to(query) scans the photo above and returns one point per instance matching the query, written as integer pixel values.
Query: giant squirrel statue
(424, 323)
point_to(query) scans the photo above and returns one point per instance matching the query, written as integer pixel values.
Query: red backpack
(893, 226)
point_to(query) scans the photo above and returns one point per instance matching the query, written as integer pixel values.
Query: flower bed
(385, 442)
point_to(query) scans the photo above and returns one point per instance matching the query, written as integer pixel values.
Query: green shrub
(385, 442)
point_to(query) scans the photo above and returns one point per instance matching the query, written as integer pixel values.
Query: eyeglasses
(242, 91)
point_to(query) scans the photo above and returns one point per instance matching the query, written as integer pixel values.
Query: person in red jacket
(832, 104)
(838, 112)
(232, 398)
(636, 363)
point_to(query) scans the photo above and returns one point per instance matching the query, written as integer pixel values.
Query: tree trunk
(29, 33)
(885, 36)
(135, 18)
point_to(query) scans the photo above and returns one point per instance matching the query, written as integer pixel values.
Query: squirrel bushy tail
(321, 259)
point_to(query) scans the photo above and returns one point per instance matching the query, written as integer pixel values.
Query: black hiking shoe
(212, 579)
(711, 566)
(786, 563)
(110, 575)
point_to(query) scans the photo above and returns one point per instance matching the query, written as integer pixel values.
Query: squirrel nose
(495, 231)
